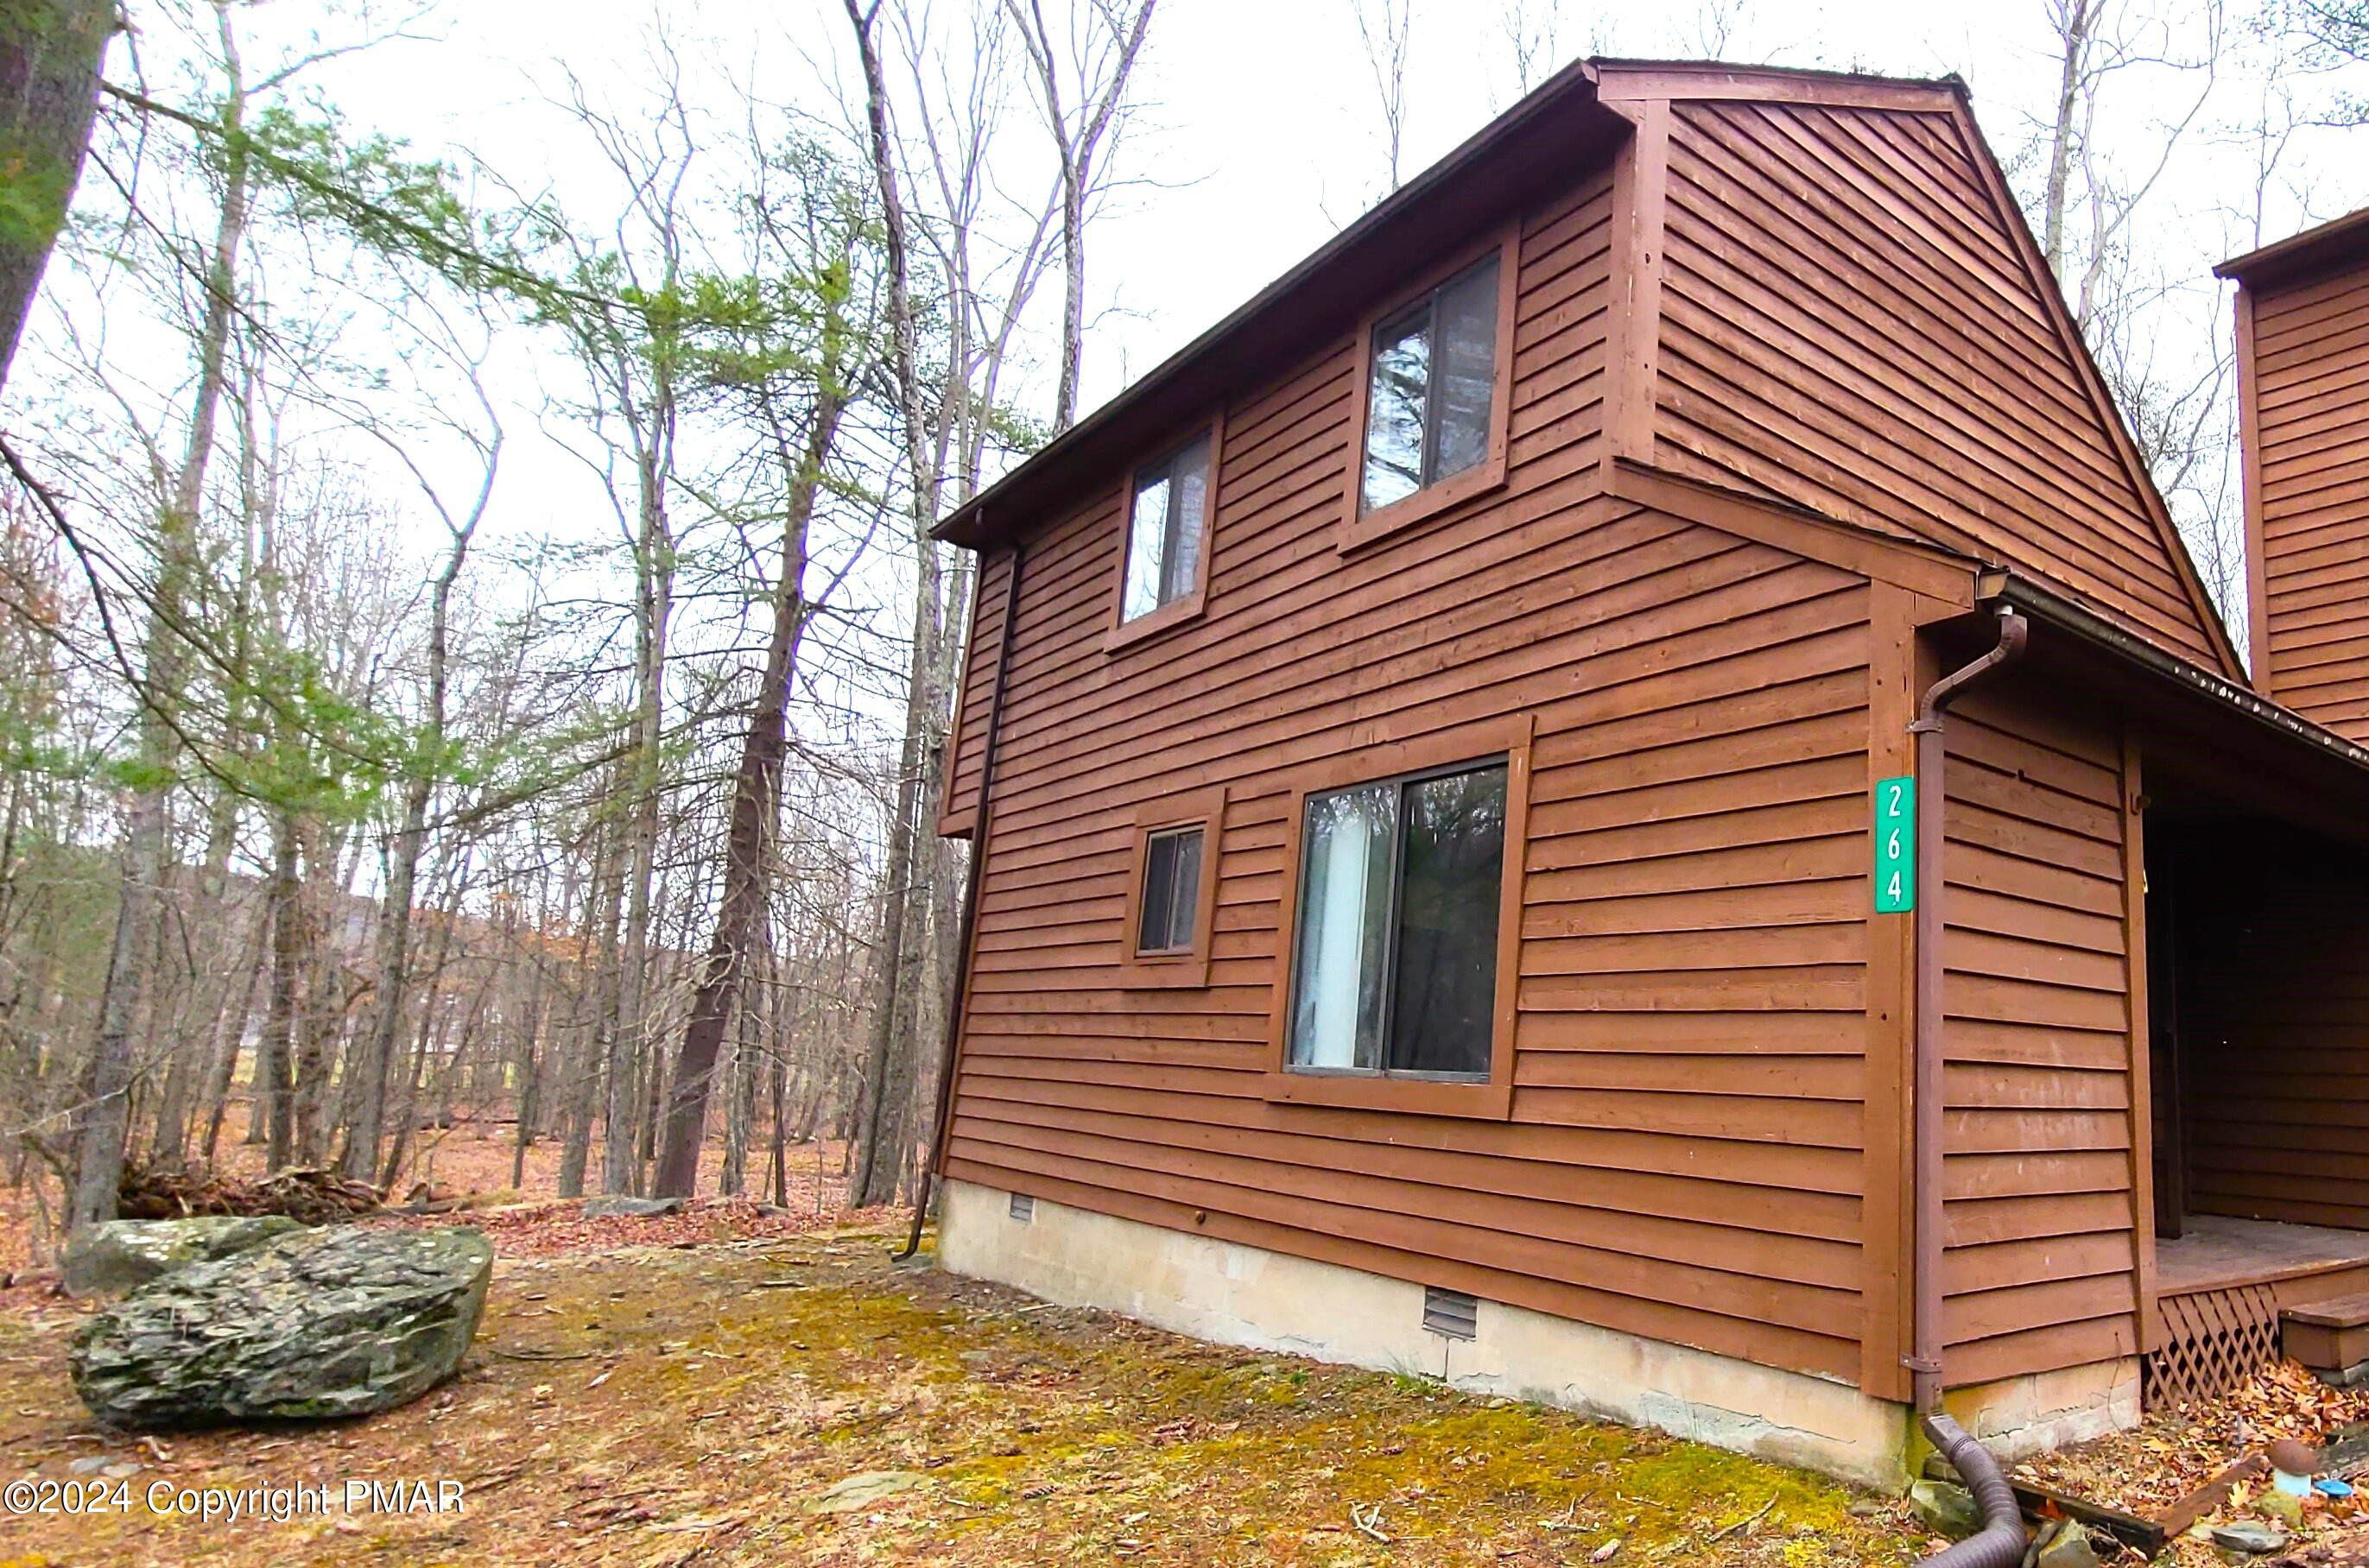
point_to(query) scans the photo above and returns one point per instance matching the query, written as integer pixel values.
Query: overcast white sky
(1259, 136)
(1261, 128)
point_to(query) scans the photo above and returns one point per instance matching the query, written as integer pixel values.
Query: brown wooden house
(1433, 753)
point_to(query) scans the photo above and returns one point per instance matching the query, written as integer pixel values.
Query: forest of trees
(345, 790)
(322, 819)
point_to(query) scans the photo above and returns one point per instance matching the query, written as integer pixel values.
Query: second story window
(1431, 389)
(1167, 526)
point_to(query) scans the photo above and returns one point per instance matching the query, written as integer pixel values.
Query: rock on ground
(2063, 1544)
(334, 1322)
(1946, 1508)
(615, 1207)
(2258, 1540)
(123, 1255)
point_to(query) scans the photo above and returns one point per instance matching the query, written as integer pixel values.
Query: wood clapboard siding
(2040, 1267)
(2274, 1024)
(2310, 393)
(1684, 1153)
(1850, 325)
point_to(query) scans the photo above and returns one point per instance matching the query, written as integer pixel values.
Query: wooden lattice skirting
(2213, 1340)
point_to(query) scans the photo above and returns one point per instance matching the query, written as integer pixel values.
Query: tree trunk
(230, 1030)
(410, 844)
(874, 1178)
(629, 1037)
(2079, 17)
(584, 1089)
(147, 826)
(531, 1065)
(756, 805)
(448, 918)
(50, 56)
(278, 1093)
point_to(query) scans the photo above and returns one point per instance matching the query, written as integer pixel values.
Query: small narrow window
(1395, 964)
(1167, 521)
(1172, 892)
(1433, 388)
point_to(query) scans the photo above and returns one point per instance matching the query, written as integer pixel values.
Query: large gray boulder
(123, 1255)
(333, 1323)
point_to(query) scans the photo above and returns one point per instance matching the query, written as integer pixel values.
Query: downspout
(2001, 1542)
(941, 1120)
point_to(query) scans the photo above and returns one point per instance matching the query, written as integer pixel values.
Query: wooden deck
(2220, 1289)
(2305, 1262)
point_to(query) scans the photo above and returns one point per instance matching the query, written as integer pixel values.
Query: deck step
(2331, 1337)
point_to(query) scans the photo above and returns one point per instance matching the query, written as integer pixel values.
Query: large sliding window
(1395, 955)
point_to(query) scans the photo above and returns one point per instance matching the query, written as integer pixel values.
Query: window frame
(1182, 968)
(1359, 527)
(1475, 745)
(1120, 631)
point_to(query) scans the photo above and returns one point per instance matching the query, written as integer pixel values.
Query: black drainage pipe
(2001, 1542)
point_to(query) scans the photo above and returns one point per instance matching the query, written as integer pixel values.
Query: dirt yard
(797, 1399)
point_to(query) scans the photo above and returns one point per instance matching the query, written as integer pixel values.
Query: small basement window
(1432, 388)
(1168, 516)
(1394, 968)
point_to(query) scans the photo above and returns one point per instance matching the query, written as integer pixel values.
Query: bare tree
(791, 358)
(99, 1160)
(1530, 28)
(1385, 29)
(1101, 63)
(935, 227)
(427, 764)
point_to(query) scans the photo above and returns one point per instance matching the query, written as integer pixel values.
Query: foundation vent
(1023, 1208)
(1450, 1314)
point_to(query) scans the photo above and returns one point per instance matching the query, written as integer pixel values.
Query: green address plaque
(1896, 845)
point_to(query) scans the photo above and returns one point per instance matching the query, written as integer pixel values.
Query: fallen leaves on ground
(550, 1229)
(2150, 1469)
(802, 1399)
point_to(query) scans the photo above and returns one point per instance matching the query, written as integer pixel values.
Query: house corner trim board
(1632, 349)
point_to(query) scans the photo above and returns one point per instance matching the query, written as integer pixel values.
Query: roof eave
(2331, 245)
(1571, 90)
(2046, 605)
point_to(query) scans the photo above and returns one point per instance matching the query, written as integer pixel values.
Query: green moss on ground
(663, 1406)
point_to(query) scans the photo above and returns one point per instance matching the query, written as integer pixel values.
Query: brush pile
(308, 1194)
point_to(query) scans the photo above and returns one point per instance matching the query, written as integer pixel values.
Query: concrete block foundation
(1234, 1294)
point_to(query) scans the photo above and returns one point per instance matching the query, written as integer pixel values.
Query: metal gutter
(1926, 1342)
(2047, 605)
